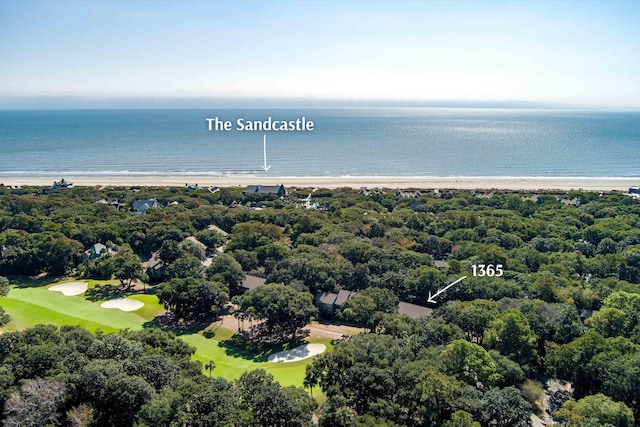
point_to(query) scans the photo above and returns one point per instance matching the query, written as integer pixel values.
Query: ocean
(344, 142)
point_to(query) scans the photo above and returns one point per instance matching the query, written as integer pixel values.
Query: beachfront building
(140, 206)
(61, 184)
(633, 192)
(278, 190)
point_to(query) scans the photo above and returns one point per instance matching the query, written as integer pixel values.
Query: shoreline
(396, 182)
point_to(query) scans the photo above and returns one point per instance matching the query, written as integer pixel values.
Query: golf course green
(31, 303)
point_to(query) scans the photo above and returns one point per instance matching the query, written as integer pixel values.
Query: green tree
(284, 310)
(595, 410)
(435, 331)
(215, 404)
(225, 269)
(4, 317)
(629, 304)
(437, 395)
(461, 419)
(4, 286)
(609, 322)
(512, 336)
(183, 267)
(424, 280)
(385, 301)
(122, 397)
(473, 317)
(194, 248)
(127, 267)
(58, 252)
(470, 363)
(266, 403)
(505, 408)
(192, 298)
(360, 308)
(4, 291)
(170, 251)
(210, 366)
(251, 235)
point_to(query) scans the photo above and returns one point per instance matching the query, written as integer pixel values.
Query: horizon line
(67, 102)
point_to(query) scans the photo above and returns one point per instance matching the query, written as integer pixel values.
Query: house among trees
(96, 251)
(278, 190)
(251, 282)
(328, 303)
(441, 264)
(140, 206)
(218, 230)
(115, 203)
(156, 268)
(413, 310)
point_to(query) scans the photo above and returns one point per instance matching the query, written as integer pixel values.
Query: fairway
(231, 367)
(33, 305)
(29, 306)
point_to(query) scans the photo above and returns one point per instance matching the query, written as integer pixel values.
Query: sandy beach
(418, 182)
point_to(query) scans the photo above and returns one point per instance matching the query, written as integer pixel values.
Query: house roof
(218, 230)
(155, 262)
(97, 249)
(264, 189)
(196, 241)
(139, 204)
(327, 298)
(252, 282)
(343, 296)
(441, 264)
(412, 310)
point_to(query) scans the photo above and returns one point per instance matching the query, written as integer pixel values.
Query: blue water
(358, 142)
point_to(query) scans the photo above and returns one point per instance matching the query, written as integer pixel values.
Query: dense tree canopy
(191, 298)
(283, 310)
(565, 307)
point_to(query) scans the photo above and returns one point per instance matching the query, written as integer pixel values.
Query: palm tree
(210, 365)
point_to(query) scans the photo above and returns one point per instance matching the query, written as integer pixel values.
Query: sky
(583, 54)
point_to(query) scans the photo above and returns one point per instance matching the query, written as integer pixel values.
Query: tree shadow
(104, 293)
(169, 322)
(257, 345)
(239, 345)
(23, 282)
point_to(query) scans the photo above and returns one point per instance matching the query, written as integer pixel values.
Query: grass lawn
(31, 303)
(29, 306)
(231, 367)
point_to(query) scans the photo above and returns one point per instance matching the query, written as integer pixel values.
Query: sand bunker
(70, 289)
(298, 353)
(124, 304)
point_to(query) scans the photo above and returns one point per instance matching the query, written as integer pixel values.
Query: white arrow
(431, 297)
(265, 167)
